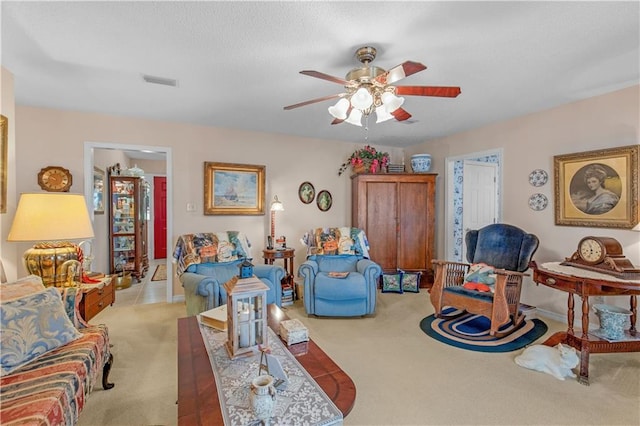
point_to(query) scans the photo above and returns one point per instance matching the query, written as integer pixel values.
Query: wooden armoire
(397, 212)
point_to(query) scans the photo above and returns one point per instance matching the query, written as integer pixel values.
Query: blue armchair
(206, 261)
(507, 250)
(326, 294)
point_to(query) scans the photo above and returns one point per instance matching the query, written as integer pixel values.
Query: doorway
(163, 152)
(474, 187)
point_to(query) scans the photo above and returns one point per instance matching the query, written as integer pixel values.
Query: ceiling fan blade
(399, 72)
(338, 120)
(324, 76)
(401, 115)
(442, 91)
(313, 101)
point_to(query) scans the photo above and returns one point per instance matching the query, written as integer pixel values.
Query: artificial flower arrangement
(368, 158)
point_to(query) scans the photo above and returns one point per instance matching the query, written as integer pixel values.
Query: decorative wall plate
(538, 177)
(538, 202)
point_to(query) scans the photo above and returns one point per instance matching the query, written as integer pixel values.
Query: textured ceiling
(237, 63)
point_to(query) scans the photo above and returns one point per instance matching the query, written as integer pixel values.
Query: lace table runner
(302, 402)
(582, 273)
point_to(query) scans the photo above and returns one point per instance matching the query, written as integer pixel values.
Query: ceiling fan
(369, 88)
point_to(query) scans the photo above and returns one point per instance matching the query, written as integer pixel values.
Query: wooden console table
(97, 297)
(198, 402)
(576, 282)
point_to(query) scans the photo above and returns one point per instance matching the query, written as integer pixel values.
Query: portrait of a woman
(594, 198)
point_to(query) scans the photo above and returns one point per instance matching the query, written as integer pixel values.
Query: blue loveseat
(206, 261)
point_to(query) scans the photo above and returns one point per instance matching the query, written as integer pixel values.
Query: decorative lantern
(246, 315)
(246, 269)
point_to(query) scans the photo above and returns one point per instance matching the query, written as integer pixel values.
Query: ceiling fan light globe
(355, 117)
(382, 114)
(339, 110)
(362, 99)
(391, 101)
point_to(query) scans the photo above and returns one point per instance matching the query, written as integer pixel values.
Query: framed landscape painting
(234, 189)
(597, 188)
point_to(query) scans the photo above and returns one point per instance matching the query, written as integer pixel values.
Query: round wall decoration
(538, 202)
(306, 192)
(324, 200)
(538, 177)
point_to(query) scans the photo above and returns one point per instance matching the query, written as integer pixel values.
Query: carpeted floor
(402, 376)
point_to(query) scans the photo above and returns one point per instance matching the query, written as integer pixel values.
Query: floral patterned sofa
(50, 357)
(205, 261)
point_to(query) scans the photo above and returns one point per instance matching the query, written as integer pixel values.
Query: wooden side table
(575, 282)
(96, 297)
(287, 256)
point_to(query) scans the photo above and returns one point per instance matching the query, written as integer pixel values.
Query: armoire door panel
(412, 253)
(381, 220)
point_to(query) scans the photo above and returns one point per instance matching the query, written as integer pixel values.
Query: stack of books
(287, 294)
(395, 168)
(215, 318)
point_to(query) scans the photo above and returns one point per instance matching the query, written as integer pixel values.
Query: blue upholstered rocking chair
(508, 249)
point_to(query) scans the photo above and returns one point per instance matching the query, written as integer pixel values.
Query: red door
(160, 217)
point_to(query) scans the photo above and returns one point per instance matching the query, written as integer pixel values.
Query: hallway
(145, 291)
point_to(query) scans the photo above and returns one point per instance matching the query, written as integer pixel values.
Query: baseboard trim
(178, 298)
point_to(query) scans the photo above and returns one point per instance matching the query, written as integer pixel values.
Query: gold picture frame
(4, 142)
(233, 189)
(99, 188)
(597, 188)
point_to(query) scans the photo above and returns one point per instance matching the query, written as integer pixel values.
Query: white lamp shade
(339, 110)
(382, 114)
(276, 205)
(391, 101)
(355, 117)
(51, 217)
(362, 99)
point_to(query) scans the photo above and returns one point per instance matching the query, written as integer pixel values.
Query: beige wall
(529, 143)
(52, 137)
(7, 108)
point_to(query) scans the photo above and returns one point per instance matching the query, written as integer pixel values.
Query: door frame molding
(449, 240)
(89, 148)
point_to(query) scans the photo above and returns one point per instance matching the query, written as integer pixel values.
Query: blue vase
(421, 163)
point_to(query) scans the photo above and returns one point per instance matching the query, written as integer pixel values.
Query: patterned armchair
(505, 250)
(206, 261)
(339, 279)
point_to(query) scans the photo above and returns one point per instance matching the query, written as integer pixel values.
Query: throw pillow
(20, 288)
(480, 277)
(411, 281)
(392, 283)
(32, 326)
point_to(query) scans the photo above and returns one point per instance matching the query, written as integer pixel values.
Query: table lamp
(52, 219)
(276, 206)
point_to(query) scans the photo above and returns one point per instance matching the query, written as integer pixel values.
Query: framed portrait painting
(234, 189)
(597, 188)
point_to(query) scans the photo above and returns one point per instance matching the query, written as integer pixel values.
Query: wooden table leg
(570, 313)
(633, 302)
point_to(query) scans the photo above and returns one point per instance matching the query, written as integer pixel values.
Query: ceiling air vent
(160, 80)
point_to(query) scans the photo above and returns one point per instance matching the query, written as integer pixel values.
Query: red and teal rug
(471, 332)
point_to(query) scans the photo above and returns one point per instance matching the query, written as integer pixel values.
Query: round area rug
(471, 332)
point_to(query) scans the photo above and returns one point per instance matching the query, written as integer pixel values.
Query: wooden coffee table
(198, 402)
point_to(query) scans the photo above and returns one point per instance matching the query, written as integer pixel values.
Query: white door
(480, 197)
